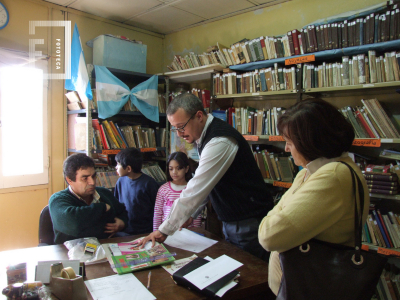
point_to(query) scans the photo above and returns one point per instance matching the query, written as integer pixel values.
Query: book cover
(155, 256)
(210, 290)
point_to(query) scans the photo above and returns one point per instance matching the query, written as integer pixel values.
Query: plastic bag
(76, 250)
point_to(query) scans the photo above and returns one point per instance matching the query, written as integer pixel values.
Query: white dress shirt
(216, 157)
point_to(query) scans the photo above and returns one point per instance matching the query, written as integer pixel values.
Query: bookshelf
(128, 117)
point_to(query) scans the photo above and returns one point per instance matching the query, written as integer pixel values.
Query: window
(23, 126)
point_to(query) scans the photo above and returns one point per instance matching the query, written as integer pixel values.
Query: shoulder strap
(358, 213)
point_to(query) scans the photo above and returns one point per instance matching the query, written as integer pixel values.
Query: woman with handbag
(319, 206)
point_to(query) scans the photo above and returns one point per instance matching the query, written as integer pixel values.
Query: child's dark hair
(130, 157)
(183, 161)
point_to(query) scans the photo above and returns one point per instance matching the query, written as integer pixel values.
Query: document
(212, 271)
(43, 268)
(190, 241)
(230, 285)
(116, 287)
(177, 264)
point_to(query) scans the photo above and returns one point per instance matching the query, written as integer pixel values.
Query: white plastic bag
(76, 250)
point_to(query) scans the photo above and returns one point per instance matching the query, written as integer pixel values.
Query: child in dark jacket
(136, 190)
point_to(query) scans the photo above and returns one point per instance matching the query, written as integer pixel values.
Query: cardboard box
(119, 54)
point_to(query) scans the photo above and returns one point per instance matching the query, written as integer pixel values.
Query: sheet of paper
(43, 268)
(231, 284)
(117, 287)
(190, 241)
(177, 264)
(212, 271)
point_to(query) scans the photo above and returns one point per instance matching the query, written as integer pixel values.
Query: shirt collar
(210, 117)
(96, 196)
(314, 165)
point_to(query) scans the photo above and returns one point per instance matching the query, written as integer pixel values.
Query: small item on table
(19, 291)
(90, 248)
(16, 273)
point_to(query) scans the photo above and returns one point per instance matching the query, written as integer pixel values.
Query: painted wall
(20, 207)
(274, 20)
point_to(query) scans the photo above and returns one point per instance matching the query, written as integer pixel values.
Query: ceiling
(165, 16)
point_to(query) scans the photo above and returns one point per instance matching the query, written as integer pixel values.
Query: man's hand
(186, 224)
(114, 227)
(154, 236)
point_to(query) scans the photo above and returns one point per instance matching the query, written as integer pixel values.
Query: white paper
(212, 271)
(189, 241)
(116, 287)
(43, 268)
(231, 284)
(177, 264)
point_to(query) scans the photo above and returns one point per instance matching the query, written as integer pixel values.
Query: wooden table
(253, 281)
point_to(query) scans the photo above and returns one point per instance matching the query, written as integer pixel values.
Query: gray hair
(188, 102)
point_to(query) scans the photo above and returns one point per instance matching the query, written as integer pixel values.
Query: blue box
(120, 54)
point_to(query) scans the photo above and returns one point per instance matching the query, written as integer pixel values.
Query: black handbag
(320, 270)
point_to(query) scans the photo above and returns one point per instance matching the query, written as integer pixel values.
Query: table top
(253, 281)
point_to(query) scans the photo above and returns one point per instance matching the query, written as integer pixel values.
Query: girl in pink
(178, 175)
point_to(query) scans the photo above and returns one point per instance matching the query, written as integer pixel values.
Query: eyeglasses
(182, 129)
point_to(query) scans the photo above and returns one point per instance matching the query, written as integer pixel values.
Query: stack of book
(107, 135)
(154, 171)
(275, 166)
(359, 69)
(370, 120)
(381, 182)
(213, 55)
(262, 80)
(248, 120)
(382, 230)
(389, 283)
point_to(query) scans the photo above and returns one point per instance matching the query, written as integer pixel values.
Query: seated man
(82, 209)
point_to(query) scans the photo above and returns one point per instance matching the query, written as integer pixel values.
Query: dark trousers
(244, 234)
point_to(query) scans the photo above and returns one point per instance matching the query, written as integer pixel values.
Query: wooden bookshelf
(194, 74)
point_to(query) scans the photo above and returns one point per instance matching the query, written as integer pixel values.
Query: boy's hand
(114, 227)
(186, 224)
(154, 236)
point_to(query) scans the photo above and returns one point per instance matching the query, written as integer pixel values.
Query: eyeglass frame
(182, 129)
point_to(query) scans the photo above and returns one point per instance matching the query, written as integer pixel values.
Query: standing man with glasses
(227, 173)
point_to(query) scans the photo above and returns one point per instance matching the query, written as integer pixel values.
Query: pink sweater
(164, 201)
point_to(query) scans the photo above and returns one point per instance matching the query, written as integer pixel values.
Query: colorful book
(155, 256)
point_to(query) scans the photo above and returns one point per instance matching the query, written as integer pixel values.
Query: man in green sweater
(82, 209)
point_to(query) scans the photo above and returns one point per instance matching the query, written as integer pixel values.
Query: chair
(46, 233)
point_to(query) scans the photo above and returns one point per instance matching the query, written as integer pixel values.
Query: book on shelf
(370, 120)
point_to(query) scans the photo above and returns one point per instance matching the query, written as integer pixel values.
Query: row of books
(389, 283)
(262, 80)
(380, 182)
(107, 135)
(382, 230)
(275, 166)
(193, 60)
(154, 171)
(374, 28)
(248, 120)
(359, 69)
(370, 120)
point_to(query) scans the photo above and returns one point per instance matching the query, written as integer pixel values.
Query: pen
(148, 280)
